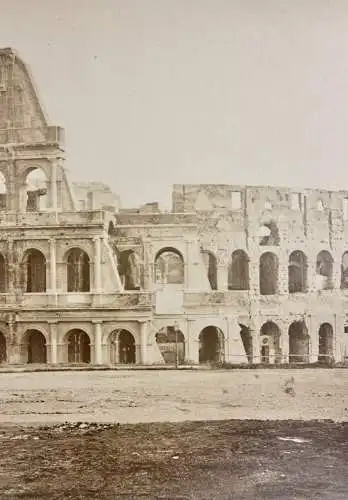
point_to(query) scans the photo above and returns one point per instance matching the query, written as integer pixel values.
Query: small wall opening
(129, 270)
(79, 347)
(247, 340)
(269, 234)
(298, 343)
(3, 349)
(169, 267)
(324, 271)
(325, 344)
(211, 345)
(126, 346)
(34, 272)
(36, 189)
(297, 272)
(238, 271)
(268, 273)
(171, 343)
(37, 351)
(209, 260)
(270, 343)
(78, 271)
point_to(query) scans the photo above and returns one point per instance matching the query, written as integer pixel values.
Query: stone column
(143, 343)
(53, 267)
(313, 332)
(192, 344)
(53, 186)
(97, 265)
(11, 272)
(98, 343)
(222, 270)
(14, 351)
(53, 358)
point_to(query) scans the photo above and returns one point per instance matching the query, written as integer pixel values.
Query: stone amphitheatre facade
(234, 274)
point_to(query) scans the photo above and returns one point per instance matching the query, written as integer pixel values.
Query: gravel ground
(163, 396)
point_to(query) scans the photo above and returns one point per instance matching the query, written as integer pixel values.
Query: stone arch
(238, 271)
(299, 342)
(34, 271)
(247, 340)
(171, 343)
(269, 234)
(210, 263)
(78, 270)
(78, 346)
(211, 345)
(297, 272)
(344, 270)
(169, 266)
(129, 269)
(36, 346)
(3, 274)
(325, 343)
(324, 270)
(268, 273)
(35, 189)
(3, 348)
(270, 343)
(122, 347)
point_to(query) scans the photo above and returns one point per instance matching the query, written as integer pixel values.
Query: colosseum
(232, 274)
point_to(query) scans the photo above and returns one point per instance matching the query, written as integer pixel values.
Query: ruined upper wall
(22, 119)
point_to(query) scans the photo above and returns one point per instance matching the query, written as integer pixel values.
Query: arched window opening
(2, 274)
(297, 272)
(344, 271)
(209, 260)
(247, 340)
(111, 229)
(34, 268)
(3, 350)
(211, 345)
(169, 267)
(269, 234)
(270, 343)
(171, 343)
(238, 271)
(129, 270)
(126, 346)
(268, 274)
(324, 269)
(298, 343)
(325, 343)
(37, 350)
(78, 271)
(79, 347)
(36, 188)
(3, 193)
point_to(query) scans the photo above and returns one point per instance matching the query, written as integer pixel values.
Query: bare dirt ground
(161, 396)
(260, 454)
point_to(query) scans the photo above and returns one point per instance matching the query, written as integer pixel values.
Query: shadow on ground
(190, 460)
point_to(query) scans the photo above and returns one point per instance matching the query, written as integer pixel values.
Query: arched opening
(270, 343)
(169, 267)
(211, 345)
(325, 343)
(36, 189)
(34, 269)
(3, 351)
(209, 260)
(78, 271)
(3, 193)
(247, 341)
(298, 343)
(297, 272)
(269, 234)
(129, 270)
(324, 270)
(344, 271)
(111, 229)
(37, 351)
(268, 273)
(2, 274)
(126, 347)
(238, 271)
(171, 343)
(79, 346)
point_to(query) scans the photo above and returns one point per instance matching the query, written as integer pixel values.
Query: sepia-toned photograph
(174, 249)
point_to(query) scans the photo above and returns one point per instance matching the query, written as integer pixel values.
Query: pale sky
(157, 92)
